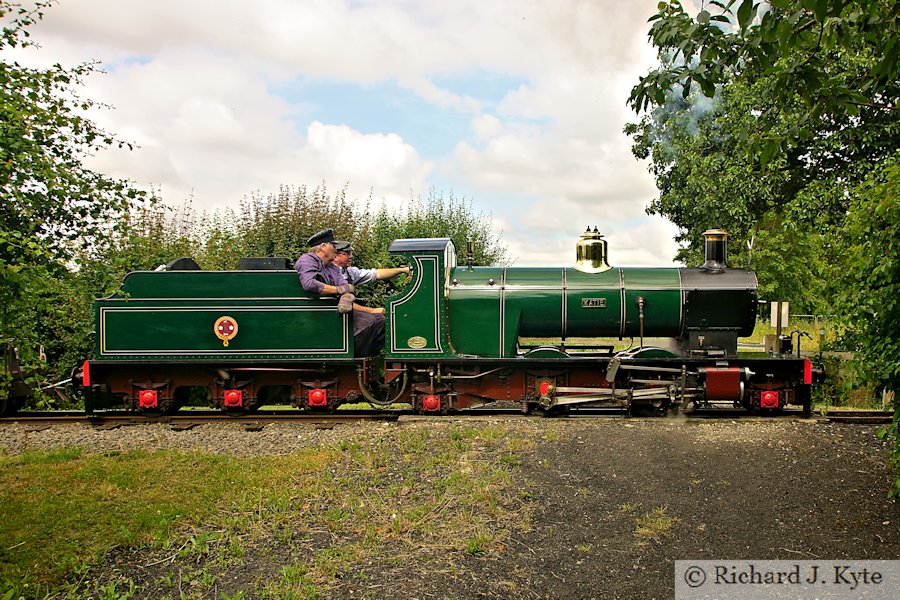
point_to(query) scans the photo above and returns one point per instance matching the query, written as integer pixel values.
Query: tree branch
(878, 106)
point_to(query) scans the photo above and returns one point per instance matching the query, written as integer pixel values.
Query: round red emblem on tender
(225, 329)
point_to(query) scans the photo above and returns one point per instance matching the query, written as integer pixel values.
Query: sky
(516, 106)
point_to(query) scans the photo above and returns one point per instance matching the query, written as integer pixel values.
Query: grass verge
(309, 521)
(64, 509)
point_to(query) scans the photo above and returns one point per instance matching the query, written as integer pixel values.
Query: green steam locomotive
(457, 337)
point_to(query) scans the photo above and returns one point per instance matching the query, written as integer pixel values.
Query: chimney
(716, 250)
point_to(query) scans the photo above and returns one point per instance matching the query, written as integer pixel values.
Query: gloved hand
(346, 288)
(345, 304)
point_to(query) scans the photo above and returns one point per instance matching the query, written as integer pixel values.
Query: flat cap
(343, 246)
(326, 235)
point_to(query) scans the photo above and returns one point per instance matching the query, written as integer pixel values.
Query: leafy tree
(802, 128)
(706, 180)
(432, 216)
(771, 94)
(52, 205)
(763, 118)
(868, 291)
(278, 224)
(830, 57)
(446, 217)
(798, 99)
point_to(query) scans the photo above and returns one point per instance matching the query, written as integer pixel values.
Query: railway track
(861, 416)
(189, 419)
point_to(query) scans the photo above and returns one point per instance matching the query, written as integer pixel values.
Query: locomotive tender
(454, 338)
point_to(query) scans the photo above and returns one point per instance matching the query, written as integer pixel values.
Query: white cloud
(559, 139)
(385, 162)
(486, 126)
(579, 170)
(442, 98)
(373, 40)
(197, 85)
(209, 128)
(647, 243)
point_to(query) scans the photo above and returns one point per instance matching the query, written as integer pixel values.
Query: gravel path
(731, 489)
(224, 438)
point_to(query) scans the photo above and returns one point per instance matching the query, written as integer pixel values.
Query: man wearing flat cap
(343, 258)
(319, 275)
(326, 236)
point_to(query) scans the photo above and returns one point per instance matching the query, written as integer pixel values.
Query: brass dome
(590, 253)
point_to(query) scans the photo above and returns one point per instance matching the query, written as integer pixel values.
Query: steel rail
(107, 419)
(188, 419)
(860, 416)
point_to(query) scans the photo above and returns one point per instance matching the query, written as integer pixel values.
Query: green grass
(617, 344)
(654, 525)
(66, 508)
(438, 490)
(807, 344)
(478, 544)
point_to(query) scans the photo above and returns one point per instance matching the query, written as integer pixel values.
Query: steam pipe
(372, 399)
(640, 303)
